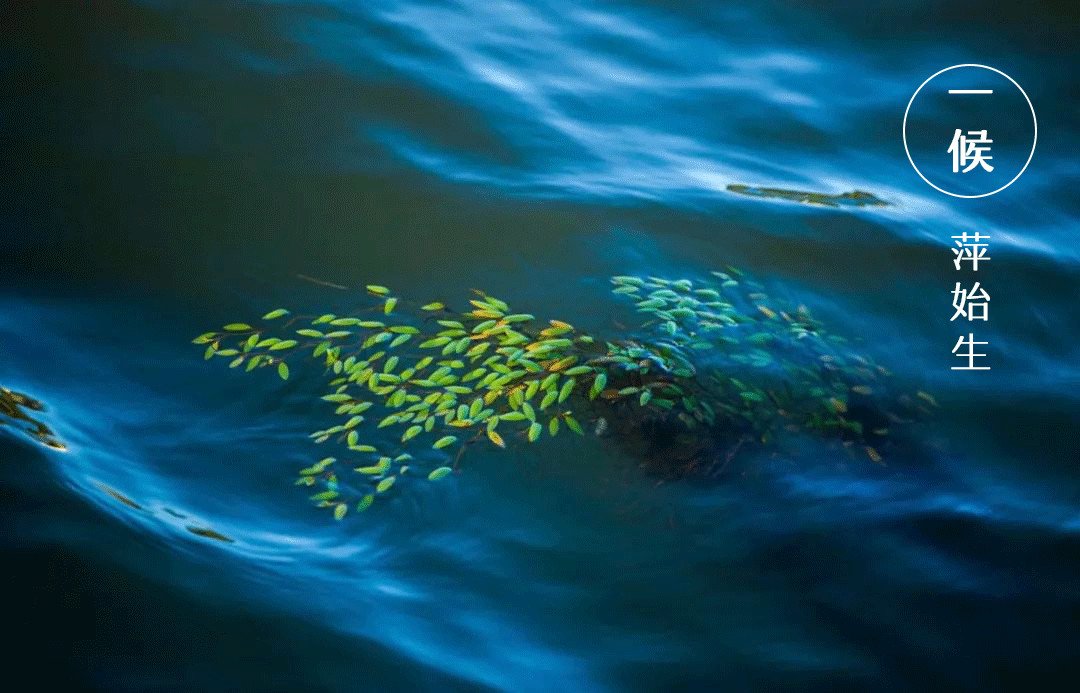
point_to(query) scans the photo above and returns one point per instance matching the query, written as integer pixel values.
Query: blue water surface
(172, 166)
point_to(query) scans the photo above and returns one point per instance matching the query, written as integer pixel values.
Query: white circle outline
(1033, 120)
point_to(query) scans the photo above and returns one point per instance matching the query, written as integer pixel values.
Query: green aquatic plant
(855, 198)
(15, 409)
(714, 365)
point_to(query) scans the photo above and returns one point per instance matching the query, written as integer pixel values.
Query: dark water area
(174, 166)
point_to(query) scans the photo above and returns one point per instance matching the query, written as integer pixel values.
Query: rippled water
(174, 166)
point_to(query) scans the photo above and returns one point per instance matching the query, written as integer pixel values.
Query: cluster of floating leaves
(442, 379)
(15, 409)
(761, 368)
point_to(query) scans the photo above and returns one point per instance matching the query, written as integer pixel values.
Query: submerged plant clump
(15, 409)
(855, 198)
(715, 366)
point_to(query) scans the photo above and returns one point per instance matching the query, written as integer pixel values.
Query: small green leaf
(283, 370)
(275, 314)
(339, 511)
(444, 441)
(566, 389)
(598, 385)
(237, 327)
(378, 290)
(439, 473)
(384, 485)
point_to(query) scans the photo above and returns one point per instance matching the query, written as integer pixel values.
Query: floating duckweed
(598, 385)
(496, 365)
(573, 424)
(444, 441)
(566, 389)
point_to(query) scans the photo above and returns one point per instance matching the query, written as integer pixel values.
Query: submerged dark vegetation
(21, 412)
(855, 198)
(716, 368)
